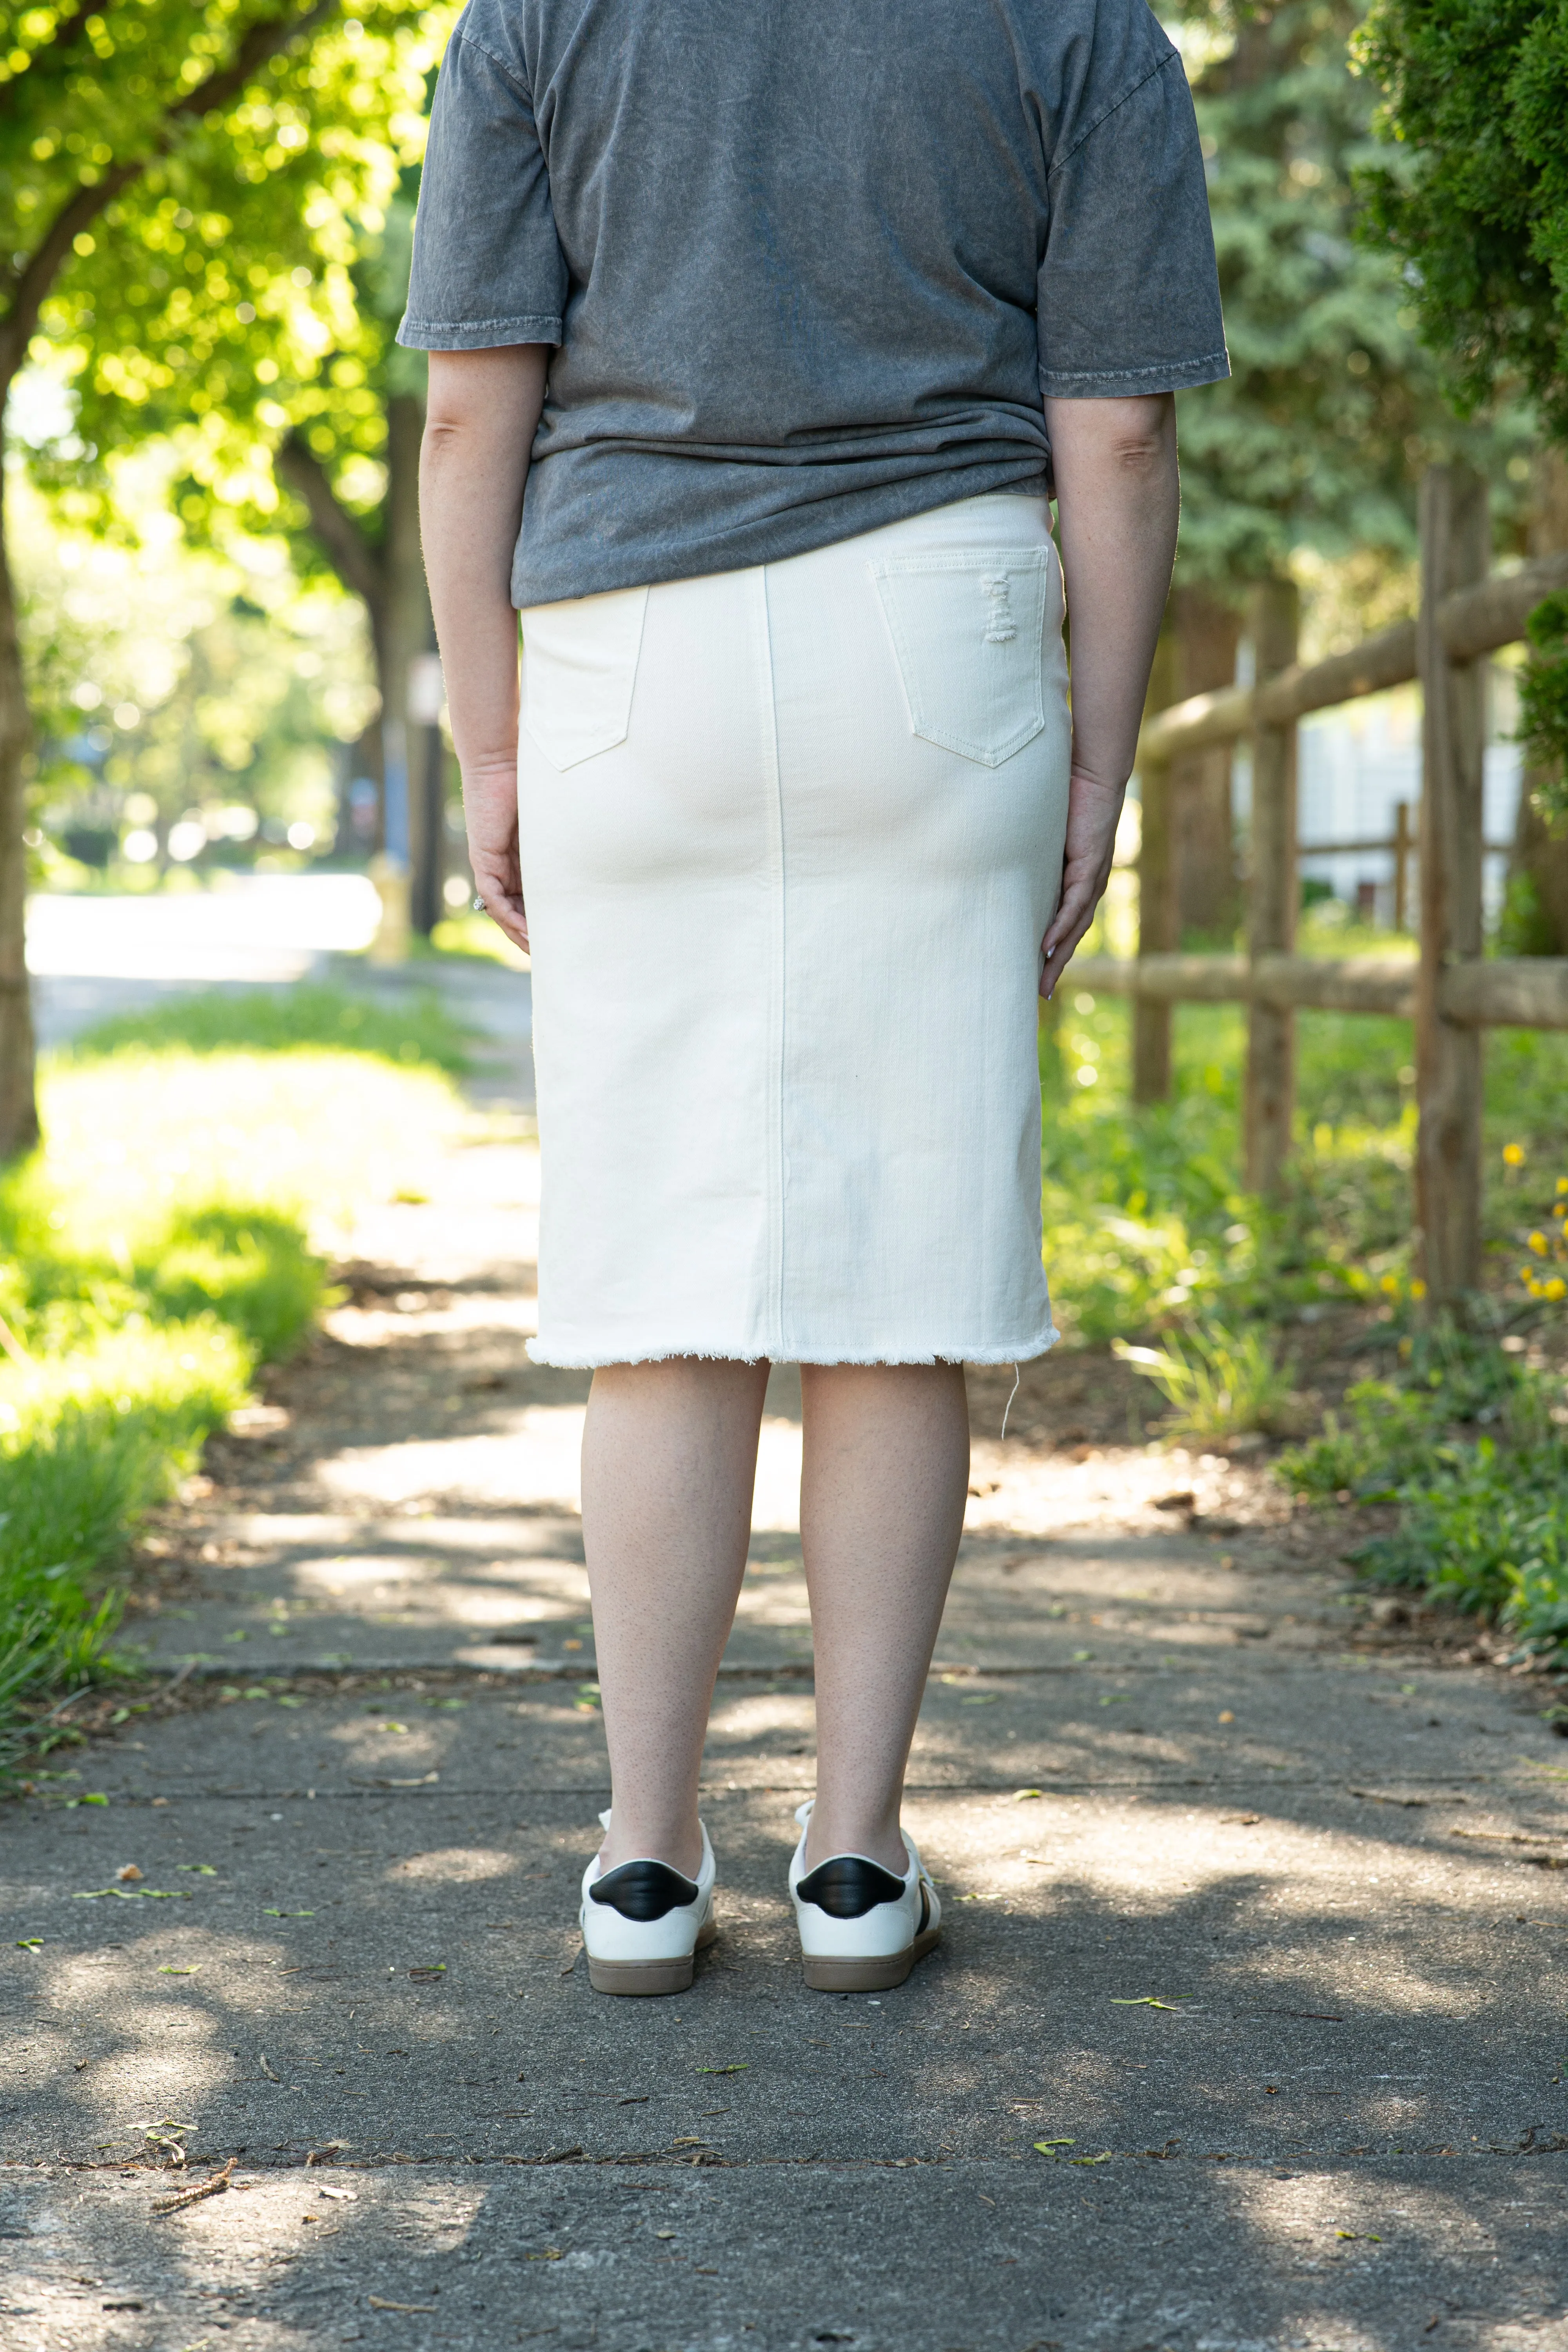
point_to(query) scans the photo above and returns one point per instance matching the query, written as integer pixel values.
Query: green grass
(1147, 1222)
(1150, 1238)
(200, 1164)
(1217, 1383)
(271, 1021)
(473, 938)
(1468, 1448)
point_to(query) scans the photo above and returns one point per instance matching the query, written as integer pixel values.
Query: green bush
(1487, 1530)
(1543, 708)
(1483, 1518)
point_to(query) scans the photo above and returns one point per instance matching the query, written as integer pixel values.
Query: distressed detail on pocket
(579, 670)
(968, 628)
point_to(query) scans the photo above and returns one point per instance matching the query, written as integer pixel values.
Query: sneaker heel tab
(848, 1885)
(644, 1890)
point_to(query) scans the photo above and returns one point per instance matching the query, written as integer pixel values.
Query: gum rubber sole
(824, 1975)
(649, 1977)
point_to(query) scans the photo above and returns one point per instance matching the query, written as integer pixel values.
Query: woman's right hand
(490, 803)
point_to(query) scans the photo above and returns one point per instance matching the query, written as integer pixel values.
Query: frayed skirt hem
(565, 1360)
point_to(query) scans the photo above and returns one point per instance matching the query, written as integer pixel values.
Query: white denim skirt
(790, 839)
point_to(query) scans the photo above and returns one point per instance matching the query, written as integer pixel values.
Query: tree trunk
(406, 630)
(1269, 1104)
(1539, 861)
(1204, 636)
(390, 582)
(1158, 926)
(18, 1108)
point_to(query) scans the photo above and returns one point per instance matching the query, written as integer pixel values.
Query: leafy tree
(1306, 446)
(349, 455)
(321, 440)
(169, 683)
(1316, 443)
(1473, 199)
(1470, 195)
(183, 187)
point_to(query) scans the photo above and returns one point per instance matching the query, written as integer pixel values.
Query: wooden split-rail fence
(1452, 990)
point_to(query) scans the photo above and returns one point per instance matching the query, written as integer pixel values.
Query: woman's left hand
(1094, 809)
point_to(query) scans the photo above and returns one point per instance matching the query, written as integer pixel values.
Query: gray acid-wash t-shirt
(810, 263)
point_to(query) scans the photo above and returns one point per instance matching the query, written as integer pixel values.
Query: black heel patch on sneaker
(643, 1890)
(849, 1886)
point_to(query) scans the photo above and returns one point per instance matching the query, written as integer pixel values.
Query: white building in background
(1356, 764)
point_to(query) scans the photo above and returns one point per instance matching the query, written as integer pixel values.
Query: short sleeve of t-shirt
(1128, 297)
(488, 268)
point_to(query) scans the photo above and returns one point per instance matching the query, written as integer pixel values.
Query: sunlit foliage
(1334, 406)
(233, 167)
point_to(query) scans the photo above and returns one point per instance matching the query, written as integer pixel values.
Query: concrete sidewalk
(1247, 2029)
(92, 955)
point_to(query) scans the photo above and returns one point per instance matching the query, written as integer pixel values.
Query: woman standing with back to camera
(789, 316)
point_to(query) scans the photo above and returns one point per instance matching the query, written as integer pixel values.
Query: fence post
(1404, 843)
(1272, 894)
(1456, 551)
(1158, 930)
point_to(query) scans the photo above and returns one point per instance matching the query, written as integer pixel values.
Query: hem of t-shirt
(1112, 384)
(478, 334)
(797, 530)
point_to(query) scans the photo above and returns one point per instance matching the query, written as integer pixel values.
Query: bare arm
(480, 420)
(1117, 505)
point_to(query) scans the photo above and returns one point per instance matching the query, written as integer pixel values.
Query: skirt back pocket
(968, 628)
(579, 668)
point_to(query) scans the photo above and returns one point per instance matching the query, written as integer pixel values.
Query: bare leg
(669, 1463)
(881, 1509)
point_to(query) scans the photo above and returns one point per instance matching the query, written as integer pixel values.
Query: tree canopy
(253, 323)
(189, 188)
(184, 188)
(1471, 194)
(1333, 406)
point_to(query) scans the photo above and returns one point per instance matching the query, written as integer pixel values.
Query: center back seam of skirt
(777, 994)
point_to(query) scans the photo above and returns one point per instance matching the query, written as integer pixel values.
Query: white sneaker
(862, 1928)
(643, 1923)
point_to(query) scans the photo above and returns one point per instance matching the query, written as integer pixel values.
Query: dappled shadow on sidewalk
(1308, 2093)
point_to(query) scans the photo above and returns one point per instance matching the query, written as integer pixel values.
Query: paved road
(1255, 1918)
